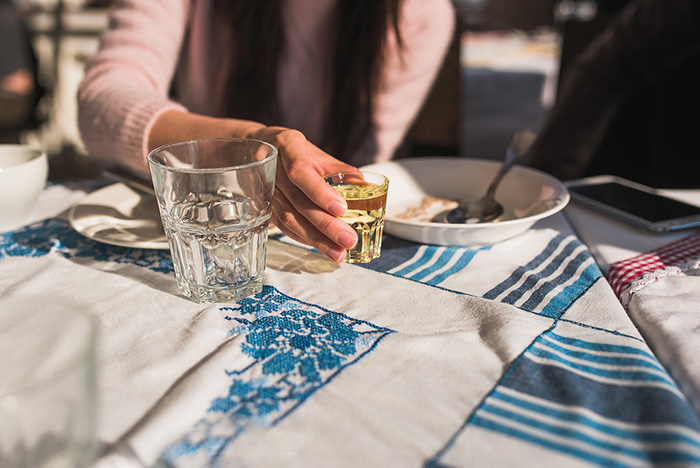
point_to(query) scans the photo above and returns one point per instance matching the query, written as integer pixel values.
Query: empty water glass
(215, 200)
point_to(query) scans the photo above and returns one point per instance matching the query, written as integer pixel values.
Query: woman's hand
(305, 207)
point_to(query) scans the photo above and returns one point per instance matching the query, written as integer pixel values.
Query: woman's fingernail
(347, 239)
(337, 255)
(337, 208)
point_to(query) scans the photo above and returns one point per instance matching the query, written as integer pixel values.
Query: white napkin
(661, 291)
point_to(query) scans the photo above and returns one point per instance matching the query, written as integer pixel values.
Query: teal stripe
(614, 360)
(522, 270)
(582, 454)
(443, 260)
(427, 255)
(604, 347)
(561, 301)
(656, 455)
(458, 266)
(618, 374)
(640, 434)
(532, 280)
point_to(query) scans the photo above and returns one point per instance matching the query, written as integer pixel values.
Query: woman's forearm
(176, 125)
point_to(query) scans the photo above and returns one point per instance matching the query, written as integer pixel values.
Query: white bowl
(23, 175)
(527, 196)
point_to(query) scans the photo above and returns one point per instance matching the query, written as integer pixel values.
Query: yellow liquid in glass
(365, 214)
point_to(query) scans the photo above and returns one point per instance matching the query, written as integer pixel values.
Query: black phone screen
(654, 208)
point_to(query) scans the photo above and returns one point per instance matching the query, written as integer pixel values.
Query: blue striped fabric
(428, 264)
(547, 285)
(552, 280)
(609, 404)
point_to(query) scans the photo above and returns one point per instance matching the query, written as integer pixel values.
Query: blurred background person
(628, 103)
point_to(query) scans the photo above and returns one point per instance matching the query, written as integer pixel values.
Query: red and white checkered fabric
(623, 272)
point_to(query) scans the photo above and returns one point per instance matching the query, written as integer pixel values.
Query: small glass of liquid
(365, 193)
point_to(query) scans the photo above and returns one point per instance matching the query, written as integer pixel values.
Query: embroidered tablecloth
(515, 354)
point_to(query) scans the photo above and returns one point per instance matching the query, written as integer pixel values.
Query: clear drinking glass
(47, 386)
(365, 193)
(215, 200)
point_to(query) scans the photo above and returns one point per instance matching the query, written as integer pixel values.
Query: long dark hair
(257, 38)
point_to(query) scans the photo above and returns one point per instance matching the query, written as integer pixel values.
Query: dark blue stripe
(395, 251)
(569, 271)
(427, 255)
(614, 360)
(602, 347)
(520, 271)
(561, 301)
(636, 406)
(641, 435)
(645, 404)
(458, 266)
(654, 455)
(582, 454)
(443, 260)
(533, 279)
(619, 374)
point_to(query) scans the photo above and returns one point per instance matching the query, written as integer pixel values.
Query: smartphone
(634, 203)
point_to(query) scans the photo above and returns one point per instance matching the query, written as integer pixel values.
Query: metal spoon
(486, 208)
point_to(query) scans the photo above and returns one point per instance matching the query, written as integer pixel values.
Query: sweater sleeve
(426, 28)
(126, 84)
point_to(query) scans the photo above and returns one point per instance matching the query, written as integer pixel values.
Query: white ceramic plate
(526, 194)
(120, 215)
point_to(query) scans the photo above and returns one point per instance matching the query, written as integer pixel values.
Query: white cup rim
(18, 155)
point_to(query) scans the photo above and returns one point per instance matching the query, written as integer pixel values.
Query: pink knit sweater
(151, 43)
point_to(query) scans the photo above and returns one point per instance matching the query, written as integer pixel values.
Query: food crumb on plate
(429, 207)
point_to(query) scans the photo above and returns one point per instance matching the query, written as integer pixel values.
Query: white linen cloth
(516, 354)
(661, 292)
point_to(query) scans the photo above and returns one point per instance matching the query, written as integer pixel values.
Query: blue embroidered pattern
(56, 235)
(295, 349)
